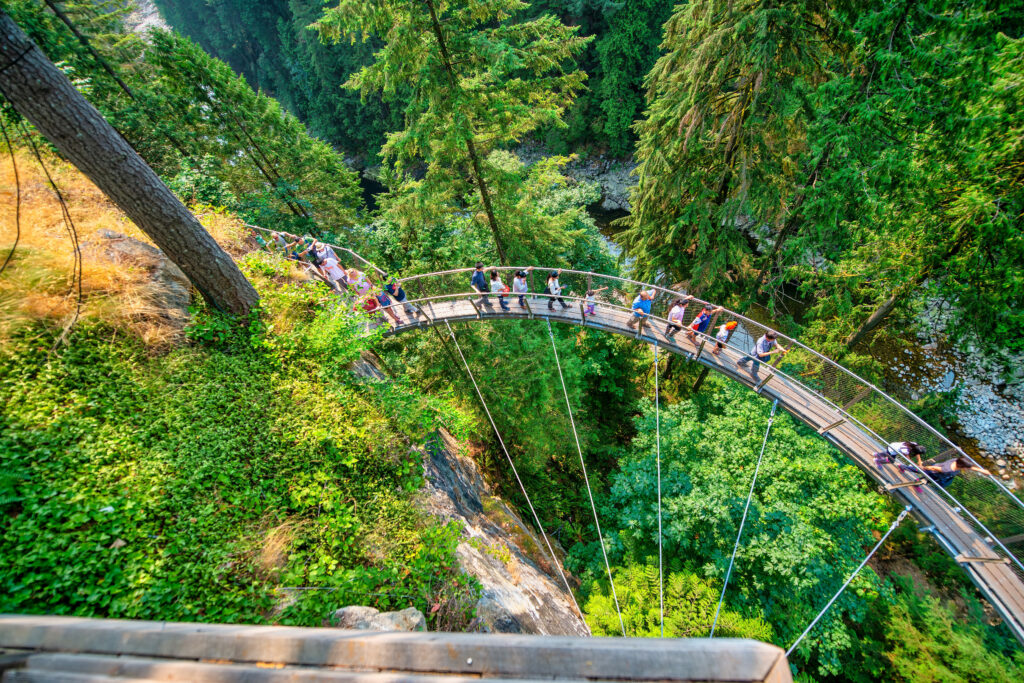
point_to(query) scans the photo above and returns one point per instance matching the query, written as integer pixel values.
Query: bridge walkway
(991, 572)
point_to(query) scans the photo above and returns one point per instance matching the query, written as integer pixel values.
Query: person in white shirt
(722, 338)
(335, 275)
(677, 316)
(520, 285)
(555, 290)
(498, 287)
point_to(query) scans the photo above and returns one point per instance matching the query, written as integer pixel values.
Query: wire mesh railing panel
(997, 512)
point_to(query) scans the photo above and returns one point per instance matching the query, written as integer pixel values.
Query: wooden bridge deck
(994, 577)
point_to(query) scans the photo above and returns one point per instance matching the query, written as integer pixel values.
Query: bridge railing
(994, 511)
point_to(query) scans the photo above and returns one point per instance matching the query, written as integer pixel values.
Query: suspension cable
(536, 519)
(856, 571)
(586, 479)
(739, 534)
(657, 447)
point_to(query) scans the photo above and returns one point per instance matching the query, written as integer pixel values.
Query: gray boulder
(363, 618)
(522, 590)
(169, 291)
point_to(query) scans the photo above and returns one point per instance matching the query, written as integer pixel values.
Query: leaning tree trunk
(42, 94)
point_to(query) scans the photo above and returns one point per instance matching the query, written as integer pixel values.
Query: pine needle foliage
(476, 78)
(725, 102)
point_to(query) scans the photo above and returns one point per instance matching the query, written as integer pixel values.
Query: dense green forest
(834, 166)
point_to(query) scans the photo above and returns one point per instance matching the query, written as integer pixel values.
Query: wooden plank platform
(997, 582)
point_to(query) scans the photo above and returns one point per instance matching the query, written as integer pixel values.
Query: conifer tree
(476, 79)
(716, 149)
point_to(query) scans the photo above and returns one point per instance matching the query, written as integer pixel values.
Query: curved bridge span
(977, 520)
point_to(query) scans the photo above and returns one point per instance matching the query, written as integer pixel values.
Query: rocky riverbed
(989, 407)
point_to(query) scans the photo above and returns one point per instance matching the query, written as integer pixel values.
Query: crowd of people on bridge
(375, 293)
(379, 294)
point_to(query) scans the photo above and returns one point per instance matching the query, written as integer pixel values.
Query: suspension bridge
(977, 520)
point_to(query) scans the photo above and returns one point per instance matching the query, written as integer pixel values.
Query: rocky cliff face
(522, 592)
(144, 16)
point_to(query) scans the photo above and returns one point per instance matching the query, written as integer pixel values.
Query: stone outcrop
(614, 176)
(144, 16)
(369, 619)
(522, 591)
(168, 293)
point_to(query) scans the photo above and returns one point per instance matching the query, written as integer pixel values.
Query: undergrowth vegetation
(246, 477)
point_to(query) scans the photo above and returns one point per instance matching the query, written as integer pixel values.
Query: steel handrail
(881, 442)
(738, 316)
(831, 363)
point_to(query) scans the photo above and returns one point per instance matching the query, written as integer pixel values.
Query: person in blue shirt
(479, 283)
(763, 350)
(641, 307)
(702, 322)
(394, 289)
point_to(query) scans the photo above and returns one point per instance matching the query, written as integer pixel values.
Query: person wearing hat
(555, 290)
(520, 286)
(641, 307)
(763, 350)
(324, 252)
(722, 338)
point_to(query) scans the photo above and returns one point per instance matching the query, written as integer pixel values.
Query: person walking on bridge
(555, 290)
(498, 287)
(520, 286)
(479, 283)
(641, 307)
(394, 289)
(944, 473)
(677, 316)
(763, 350)
(702, 322)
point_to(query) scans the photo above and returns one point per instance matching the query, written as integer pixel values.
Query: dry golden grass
(38, 282)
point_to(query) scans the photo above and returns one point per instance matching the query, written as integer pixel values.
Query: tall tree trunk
(876, 317)
(474, 158)
(42, 94)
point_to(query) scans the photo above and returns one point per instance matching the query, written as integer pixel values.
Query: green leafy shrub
(690, 603)
(201, 484)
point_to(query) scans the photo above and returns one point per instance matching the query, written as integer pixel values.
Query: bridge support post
(967, 559)
(476, 308)
(700, 349)
(529, 308)
(762, 383)
(829, 427)
(904, 484)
